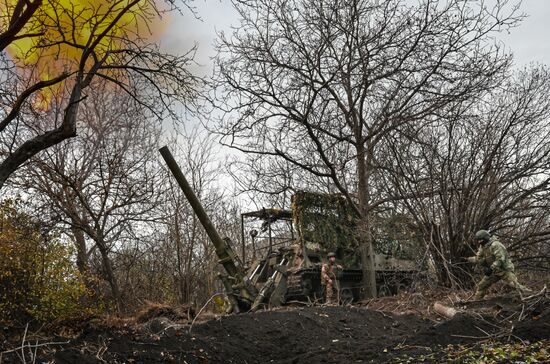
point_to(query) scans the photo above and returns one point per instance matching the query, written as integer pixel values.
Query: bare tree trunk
(32, 146)
(180, 284)
(110, 275)
(81, 251)
(189, 262)
(365, 235)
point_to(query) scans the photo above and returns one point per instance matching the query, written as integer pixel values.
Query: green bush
(38, 279)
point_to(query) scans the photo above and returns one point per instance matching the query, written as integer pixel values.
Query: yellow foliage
(60, 33)
(38, 279)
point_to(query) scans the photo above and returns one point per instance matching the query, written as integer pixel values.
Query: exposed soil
(291, 335)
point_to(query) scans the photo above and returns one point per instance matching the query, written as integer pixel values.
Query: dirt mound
(308, 335)
(535, 328)
(305, 335)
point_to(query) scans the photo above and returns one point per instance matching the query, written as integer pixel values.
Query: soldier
(328, 276)
(493, 258)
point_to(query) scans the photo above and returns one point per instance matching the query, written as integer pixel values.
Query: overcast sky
(529, 41)
(183, 32)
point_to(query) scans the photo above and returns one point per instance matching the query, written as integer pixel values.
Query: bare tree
(321, 84)
(58, 48)
(103, 185)
(196, 262)
(177, 262)
(486, 167)
(271, 182)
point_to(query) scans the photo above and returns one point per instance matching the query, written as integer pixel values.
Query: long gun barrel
(216, 239)
(235, 281)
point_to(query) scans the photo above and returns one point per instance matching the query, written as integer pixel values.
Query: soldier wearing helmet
(495, 262)
(328, 276)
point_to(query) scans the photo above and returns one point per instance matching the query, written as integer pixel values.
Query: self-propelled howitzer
(290, 247)
(240, 292)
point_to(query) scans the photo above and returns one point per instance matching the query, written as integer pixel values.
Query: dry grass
(175, 313)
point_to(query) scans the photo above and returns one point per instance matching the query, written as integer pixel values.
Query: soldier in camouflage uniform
(493, 257)
(328, 276)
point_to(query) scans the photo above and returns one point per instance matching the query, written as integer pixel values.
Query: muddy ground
(291, 335)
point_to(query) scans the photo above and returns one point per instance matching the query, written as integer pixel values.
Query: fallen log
(446, 311)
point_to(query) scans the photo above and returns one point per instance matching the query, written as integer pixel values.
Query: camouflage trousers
(509, 278)
(329, 290)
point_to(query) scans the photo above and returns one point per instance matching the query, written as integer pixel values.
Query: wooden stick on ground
(541, 293)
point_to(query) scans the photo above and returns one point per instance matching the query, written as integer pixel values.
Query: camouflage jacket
(328, 272)
(494, 255)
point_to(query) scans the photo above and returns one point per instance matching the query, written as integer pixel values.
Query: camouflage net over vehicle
(328, 223)
(325, 220)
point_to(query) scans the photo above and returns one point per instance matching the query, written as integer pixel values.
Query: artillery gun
(282, 255)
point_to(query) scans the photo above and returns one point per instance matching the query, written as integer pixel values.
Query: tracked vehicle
(282, 251)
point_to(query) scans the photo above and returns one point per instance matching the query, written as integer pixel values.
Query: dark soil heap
(306, 335)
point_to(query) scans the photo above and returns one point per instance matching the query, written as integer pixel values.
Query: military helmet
(483, 235)
(331, 254)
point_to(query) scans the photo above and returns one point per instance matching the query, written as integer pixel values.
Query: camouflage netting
(328, 223)
(325, 220)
